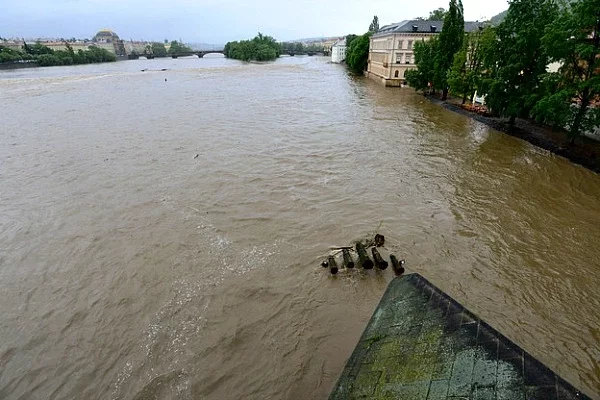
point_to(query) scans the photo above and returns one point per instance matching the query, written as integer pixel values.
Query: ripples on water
(131, 270)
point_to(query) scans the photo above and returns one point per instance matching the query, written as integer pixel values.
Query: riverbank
(584, 152)
(18, 65)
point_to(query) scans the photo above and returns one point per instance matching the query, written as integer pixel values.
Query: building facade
(391, 49)
(12, 44)
(338, 51)
(107, 39)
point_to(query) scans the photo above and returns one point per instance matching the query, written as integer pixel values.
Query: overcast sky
(216, 21)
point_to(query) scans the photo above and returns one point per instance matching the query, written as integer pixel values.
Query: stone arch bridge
(199, 54)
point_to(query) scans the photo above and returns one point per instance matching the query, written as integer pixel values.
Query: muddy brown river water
(129, 269)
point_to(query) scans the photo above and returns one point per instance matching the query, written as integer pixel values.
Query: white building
(338, 51)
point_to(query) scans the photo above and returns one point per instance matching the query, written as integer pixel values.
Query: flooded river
(130, 268)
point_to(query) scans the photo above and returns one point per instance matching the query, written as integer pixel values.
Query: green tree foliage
(451, 39)
(422, 77)
(468, 66)
(37, 49)
(350, 39)
(374, 27)
(437, 15)
(8, 55)
(287, 48)
(313, 48)
(357, 54)
(47, 57)
(261, 48)
(159, 50)
(299, 48)
(573, 39)
(520, 59)
(177, 47)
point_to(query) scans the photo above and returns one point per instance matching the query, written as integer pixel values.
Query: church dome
(106, 35)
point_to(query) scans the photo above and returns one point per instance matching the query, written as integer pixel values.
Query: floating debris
(365, 261)
(348, 263)
(332, 265)
(398, 267)
(379, 261)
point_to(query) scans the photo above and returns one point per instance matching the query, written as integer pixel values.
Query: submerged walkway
(421, 344)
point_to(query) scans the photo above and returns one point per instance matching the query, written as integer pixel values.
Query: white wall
(338, 54)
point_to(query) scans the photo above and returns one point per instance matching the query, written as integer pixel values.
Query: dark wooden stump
(398, 267)
(379, 261)
(332, 265)
(348, 263)
(363, 257)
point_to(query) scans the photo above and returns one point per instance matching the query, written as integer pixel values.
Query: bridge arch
(201, 54)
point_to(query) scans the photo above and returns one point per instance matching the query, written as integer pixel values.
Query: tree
(350, 39)
(422, 77)
(451, 39)
(261, 48)
(37, 49)
(357, 54)
(437, 15)
(177, 47)
(374, 27)
(468, 66)
(573, 39)
(520, 61)
(159, 50)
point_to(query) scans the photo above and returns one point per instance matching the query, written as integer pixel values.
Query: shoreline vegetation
(43, 56)
(585, 152)
(261, 48)
(539, 69)
(540, 63)
(265, 48)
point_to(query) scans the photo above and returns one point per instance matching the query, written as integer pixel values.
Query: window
(400, 44)
(410, 43)
(408, 59)
(396, 74)
(399, 58)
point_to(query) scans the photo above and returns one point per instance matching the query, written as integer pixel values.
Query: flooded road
(132, 269)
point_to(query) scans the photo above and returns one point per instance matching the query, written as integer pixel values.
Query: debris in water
(332, 265)
(348, 263)
(379, 261)
(365, 261)
(398, 267)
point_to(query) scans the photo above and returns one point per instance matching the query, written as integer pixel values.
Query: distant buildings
(12, 44)
(110, 41)
(338, 51)
(325, 43)
(104, 39)
(391, 48)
